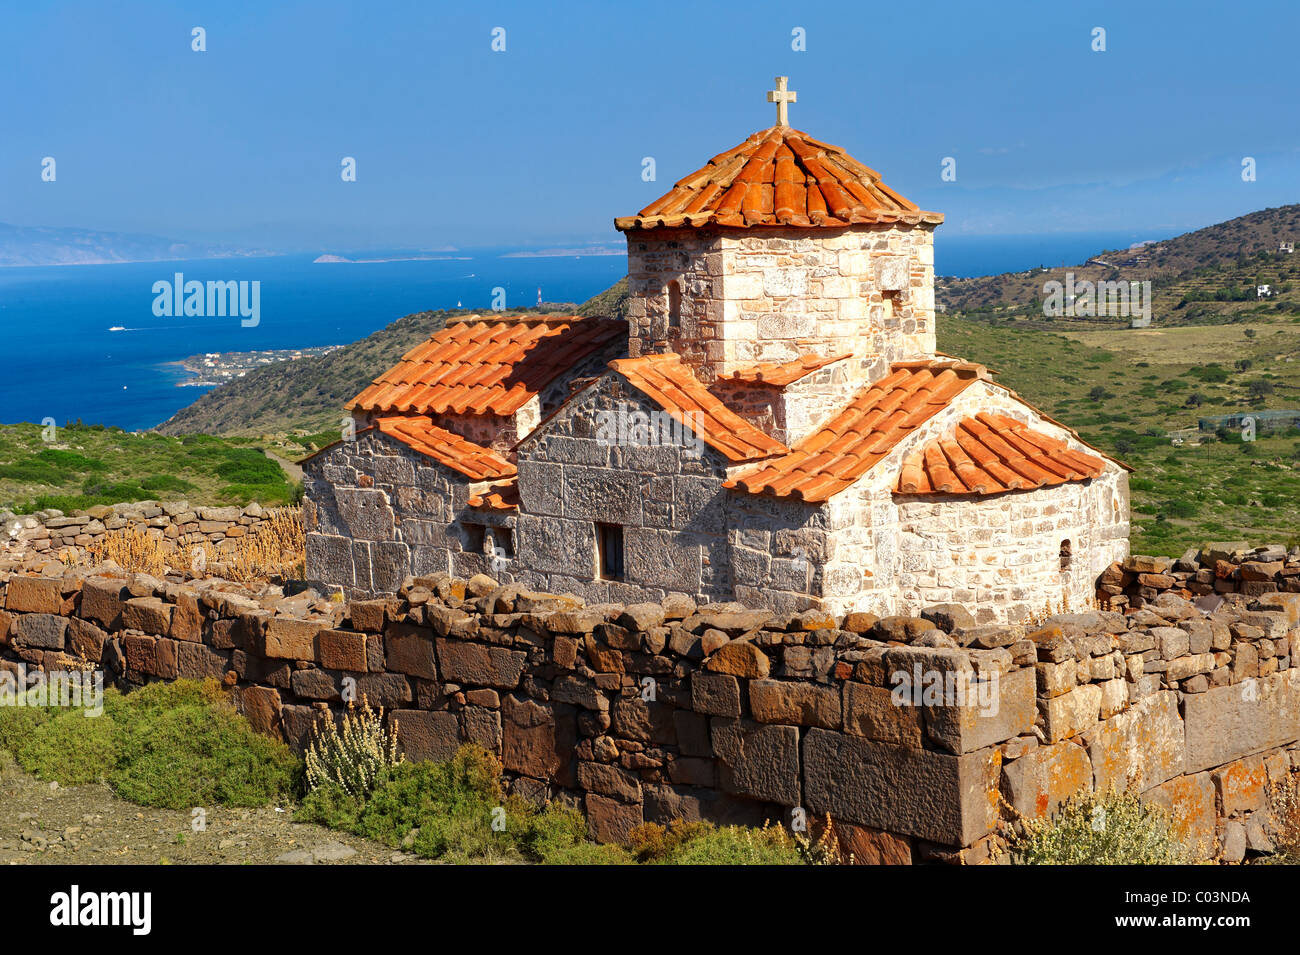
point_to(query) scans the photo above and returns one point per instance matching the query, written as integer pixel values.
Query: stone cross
(782, 98)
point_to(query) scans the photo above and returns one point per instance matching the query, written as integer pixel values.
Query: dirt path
(43, 823)
(293, 471)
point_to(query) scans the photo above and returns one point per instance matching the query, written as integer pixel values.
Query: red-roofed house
(772, 425)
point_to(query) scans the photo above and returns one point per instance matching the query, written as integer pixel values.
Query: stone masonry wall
(662, 711)
(776, 294)
(376, 511)
(682, 532)
(791, 413)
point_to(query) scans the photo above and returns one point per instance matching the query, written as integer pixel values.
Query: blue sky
(457, 145)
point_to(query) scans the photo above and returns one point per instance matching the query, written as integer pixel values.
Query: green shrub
(70, 748)
(736, 845)
(19, 723)
(173, 745)
(1106, 828)
(440, 810)
(332, 806)
(249, 466)
(167, 484)
(202, 755)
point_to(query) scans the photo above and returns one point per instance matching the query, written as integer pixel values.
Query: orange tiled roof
(674, 387)
(992, 453)
(846, 447)
(472, 460)
(486, 367)
(779, 176)
(785, 373)
(498, 497)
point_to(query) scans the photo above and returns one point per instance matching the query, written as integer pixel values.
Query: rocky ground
(43, 823)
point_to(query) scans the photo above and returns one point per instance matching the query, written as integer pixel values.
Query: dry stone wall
(668, 710)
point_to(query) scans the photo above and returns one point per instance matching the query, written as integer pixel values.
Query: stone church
(771, 424)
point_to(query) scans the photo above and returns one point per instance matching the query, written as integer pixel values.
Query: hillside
(80, 466)
(1202, 277)
(308, 394)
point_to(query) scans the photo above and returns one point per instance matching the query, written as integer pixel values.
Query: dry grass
(277, 547)
(132, 549)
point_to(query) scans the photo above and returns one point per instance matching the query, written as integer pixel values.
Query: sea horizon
(90, 347)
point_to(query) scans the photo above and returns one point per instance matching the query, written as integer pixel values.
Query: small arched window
(675, 304)
(1065, 555)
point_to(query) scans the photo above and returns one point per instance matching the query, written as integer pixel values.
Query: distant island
(564, 253)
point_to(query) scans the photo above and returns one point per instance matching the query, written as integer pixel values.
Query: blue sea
(66, 361)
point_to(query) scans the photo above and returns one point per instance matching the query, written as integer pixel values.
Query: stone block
(481, 725)
(261, 707)
(1189, 801)
(288, 638)
(195, 661)
(1242, 786)
(866, 846)
(425, 734)
(538, 740)
(479, 665)
(717, 694)
(34, 595)
(803, 704)
(872, 712)
(1139, 748)
(759, 761)
(1036, 783)
(187, 618)
(608, 780)
(1071, 713)
(85, 640)
(148, 615)
(409, 649)
(341, 650)
(389, 690)
(1229, 722)
(611, 820)
(984, 713)
(101, 601)
(45, 631)
(934, 795)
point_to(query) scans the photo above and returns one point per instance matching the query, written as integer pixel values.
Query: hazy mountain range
(38, 245)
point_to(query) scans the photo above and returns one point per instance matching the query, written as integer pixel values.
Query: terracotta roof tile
(672, 385)
(779, 176)
(470, 459)
(836, 455)
(486, 367)
(992, 453)
(498, 497)
(785, 373)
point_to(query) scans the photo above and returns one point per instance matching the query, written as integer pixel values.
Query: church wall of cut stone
(376, 512)
(780, 329)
